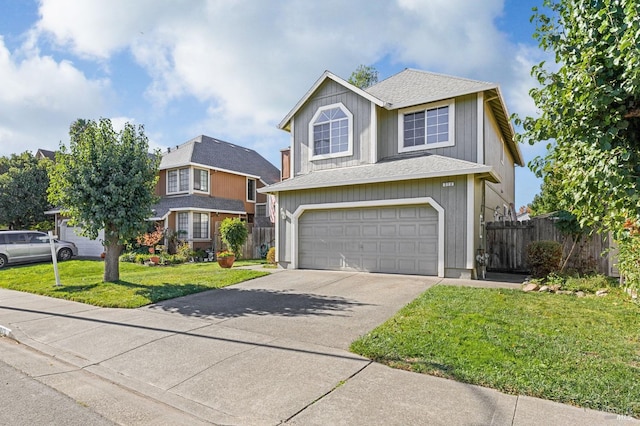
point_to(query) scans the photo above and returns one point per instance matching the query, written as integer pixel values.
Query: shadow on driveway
(237, 302)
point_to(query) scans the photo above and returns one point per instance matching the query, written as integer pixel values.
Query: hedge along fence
(507, 244)
(259, 241)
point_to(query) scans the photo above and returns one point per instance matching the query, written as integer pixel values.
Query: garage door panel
(394, 239)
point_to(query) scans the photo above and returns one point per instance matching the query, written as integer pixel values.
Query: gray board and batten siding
(451, 197)
(330, 93)
(465, 131)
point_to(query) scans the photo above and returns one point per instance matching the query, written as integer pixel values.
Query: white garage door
(86, 247)
(395, 239)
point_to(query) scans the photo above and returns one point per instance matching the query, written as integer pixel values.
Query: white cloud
(40, 98)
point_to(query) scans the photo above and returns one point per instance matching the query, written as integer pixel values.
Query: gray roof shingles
(197, 202)
(219, 154)
(413, 87)
(426, 166)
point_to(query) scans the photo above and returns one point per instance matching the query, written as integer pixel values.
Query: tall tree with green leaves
(23, 190)
(364, 76)
(105, 180)
(589, 107)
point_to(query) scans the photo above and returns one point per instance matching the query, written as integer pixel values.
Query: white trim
(277, 227)
(372, 203)
(502, 147)
(480, 127)
(292, 161)
(193, 181)
(255, 190)
(349, 151)
(426, 107)
(471, 216)
(323, 77)
(373, 128)
(192, 209)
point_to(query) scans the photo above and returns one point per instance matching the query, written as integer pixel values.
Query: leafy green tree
(364, 76)
(105, 180)
(234, 234)
(590, 107)
(23, 191)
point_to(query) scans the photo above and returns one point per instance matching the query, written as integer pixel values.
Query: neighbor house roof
(220, 155)
(196, 202)
(43, 153)
(423, 167)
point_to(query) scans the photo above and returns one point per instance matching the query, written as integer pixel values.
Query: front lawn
(139, 285)
(580, 351)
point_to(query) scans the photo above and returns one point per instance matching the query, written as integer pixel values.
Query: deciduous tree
(23, 190)
(589, 107)
(364, 76)
(105, 180)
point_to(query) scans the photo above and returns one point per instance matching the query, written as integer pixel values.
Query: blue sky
(234, 69)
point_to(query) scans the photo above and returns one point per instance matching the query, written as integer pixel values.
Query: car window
(3, 240)
(37, 238)
(17, 238)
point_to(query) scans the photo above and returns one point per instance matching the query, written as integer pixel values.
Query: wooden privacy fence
(507, 244)
(258, 242)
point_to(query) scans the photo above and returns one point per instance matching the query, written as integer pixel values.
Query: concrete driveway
(268, 351)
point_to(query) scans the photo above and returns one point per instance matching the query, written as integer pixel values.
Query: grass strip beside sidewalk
(139, 285)
(580, 351)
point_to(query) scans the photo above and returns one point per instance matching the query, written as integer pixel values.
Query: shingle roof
(413, 87)
(424, 167)
(222, 155)
(196, 202)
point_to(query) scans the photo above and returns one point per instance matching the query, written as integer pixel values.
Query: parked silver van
(31, 246)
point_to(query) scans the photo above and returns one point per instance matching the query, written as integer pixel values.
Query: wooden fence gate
(507, 244)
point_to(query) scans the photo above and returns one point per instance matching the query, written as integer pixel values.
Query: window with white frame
(201, 180)
(426, 127)
(251, 190)
(178, 180)
(330, 132)
(182, 226)
(200, 225)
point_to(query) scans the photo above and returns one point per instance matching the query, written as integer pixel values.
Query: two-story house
(395, 178)
(205, 180)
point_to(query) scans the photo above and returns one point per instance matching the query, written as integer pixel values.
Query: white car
(31, 246)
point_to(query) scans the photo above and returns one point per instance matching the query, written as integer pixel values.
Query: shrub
(544, 257)
(629, 255)
(234, 233)
(128, 257)
(271, 256)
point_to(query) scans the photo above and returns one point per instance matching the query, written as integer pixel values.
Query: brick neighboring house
(205, 180)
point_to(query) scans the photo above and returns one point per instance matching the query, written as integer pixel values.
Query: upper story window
(330, 132)
(178, 180)
(251, 190)
(201, 180)
(426, 127)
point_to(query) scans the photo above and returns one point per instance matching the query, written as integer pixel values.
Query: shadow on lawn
(235, 302)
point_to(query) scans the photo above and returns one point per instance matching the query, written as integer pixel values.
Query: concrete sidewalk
(268, 351)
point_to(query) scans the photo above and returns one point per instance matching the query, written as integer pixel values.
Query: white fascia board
(480, 128)
(371, 203)
(471, 171)
(327, 74)
(196, 209)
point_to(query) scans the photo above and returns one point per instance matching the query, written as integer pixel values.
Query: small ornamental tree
(106, 180)
(234, 234)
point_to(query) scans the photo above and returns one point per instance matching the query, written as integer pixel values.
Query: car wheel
(64, 254)
(3, 261)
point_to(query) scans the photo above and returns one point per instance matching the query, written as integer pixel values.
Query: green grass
(139, 285)
(580, 351)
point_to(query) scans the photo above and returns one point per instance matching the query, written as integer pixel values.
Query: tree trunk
(111, 258)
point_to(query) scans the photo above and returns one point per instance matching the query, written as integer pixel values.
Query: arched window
(331, 132)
